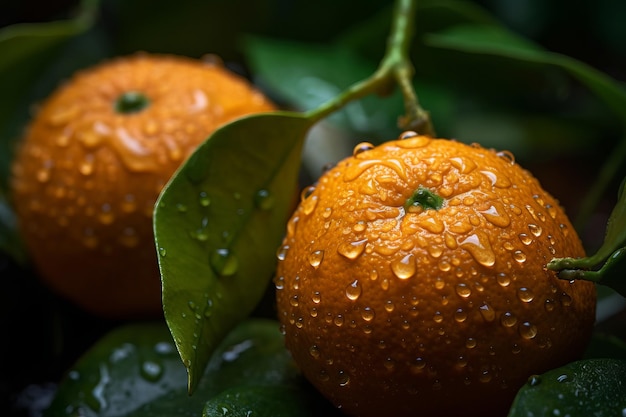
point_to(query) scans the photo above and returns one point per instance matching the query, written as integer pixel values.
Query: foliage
(558, 111)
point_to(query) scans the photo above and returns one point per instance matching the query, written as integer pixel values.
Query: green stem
(395, 67)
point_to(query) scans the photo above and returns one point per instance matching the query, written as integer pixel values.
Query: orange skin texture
(85, 176)
(404, 311)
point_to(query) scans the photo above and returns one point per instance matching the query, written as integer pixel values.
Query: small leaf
(593, 387)
(218, 224)
(608, 264)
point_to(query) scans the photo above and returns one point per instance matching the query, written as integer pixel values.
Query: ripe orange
(93, 161)
(412, 281)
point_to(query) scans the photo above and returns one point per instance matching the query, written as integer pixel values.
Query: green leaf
(496, 40)
(608, 264)
(594, 387)
(129, 367)
(260, 401)
(135, 371)
(25, 50)
(218, 224)
(300, 74)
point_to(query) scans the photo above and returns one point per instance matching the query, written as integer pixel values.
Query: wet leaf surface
(594, 387)
(135, 371)
(218, 224)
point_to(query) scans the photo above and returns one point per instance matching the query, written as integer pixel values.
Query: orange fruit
(412, 281)
(94, 159)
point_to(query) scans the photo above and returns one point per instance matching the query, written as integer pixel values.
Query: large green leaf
(135, 371)
(218, 224)
(593, 387)
(498, 41)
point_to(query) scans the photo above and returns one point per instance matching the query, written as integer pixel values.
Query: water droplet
(527, 330)
(503, 279)
(479, 247)
(281, 253)
(470, 343)
(279, 282)
(389, 364)
(566, 300)
(485, 375)
(525, 239)
(106, 216)
(223, 262)
(487, 312)
(534, 380)
(389, 306)
(496, 216)
(355, 170)
(497, 180)
(309, 204)
(438, 317)
(463, 290)
(439, 283)
(562, 378)
(508, 319)
(519, 256)
(263, 200)
(314, 351)
(362, 147)
(407, 134)
(352, 250)
(444, 266)
(204, 199)
(404, 267)
(306, 192)
(525, 294)
(87, 165)
(338, 320)
(162, 252)
(151, 371)
(292, 225)
(464, 165)
(460, 315)
(535, 229)
(432, 224)
(384, 284)
(507, 156)
(368, 314)
(354, 290)
(343, 379)
(316, 258)
(294, 301)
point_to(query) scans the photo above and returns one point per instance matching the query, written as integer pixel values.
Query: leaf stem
(394, 69)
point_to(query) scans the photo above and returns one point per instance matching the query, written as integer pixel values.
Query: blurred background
(554, 125)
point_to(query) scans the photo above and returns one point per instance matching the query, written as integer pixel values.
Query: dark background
(43, 335)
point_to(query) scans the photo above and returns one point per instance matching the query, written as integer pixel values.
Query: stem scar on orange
(412, 281)
(94, 159)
